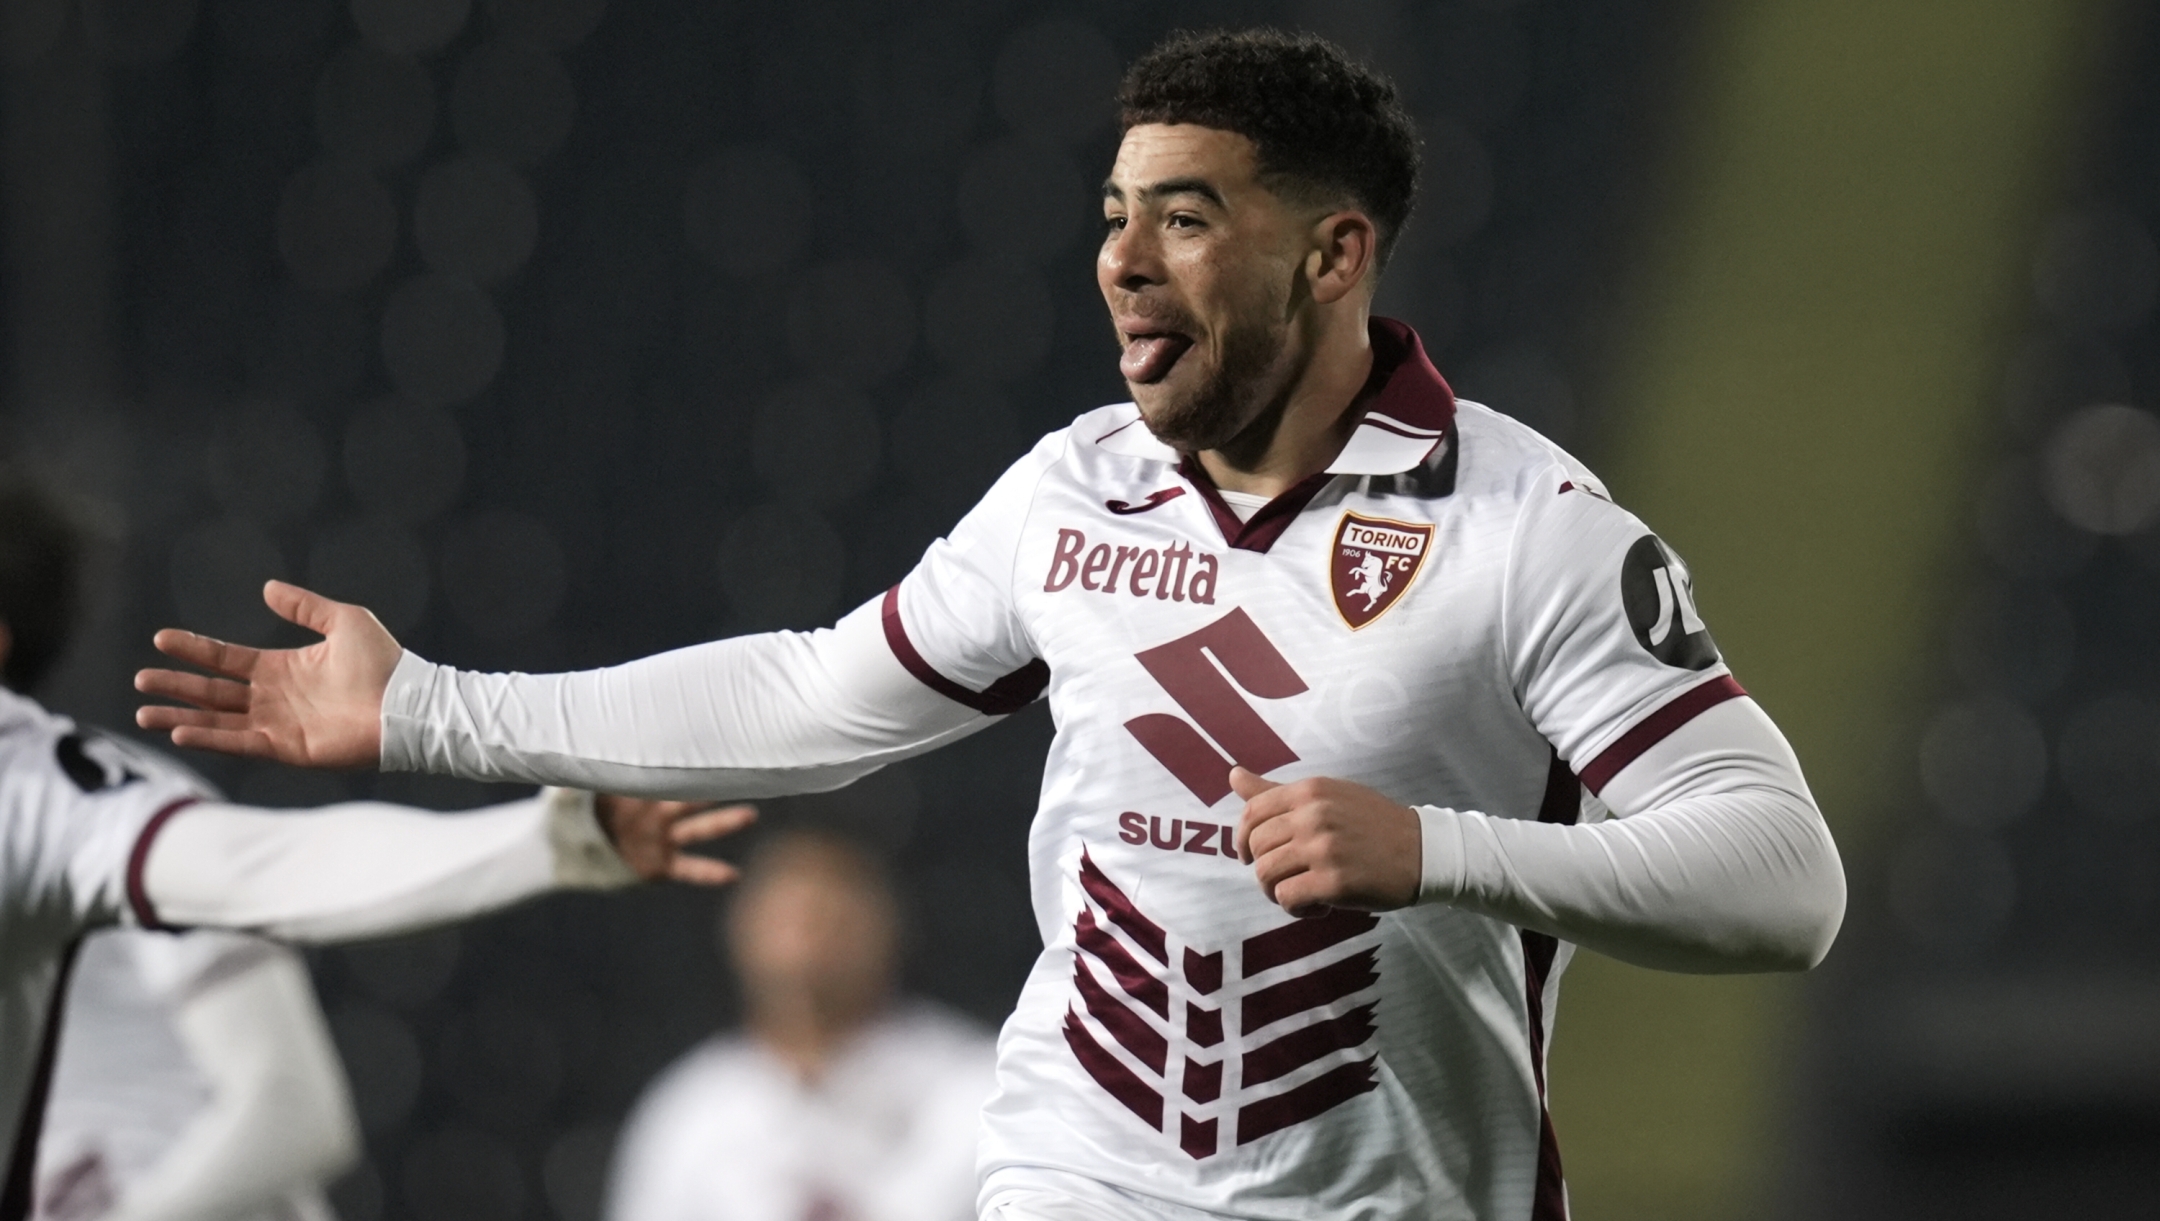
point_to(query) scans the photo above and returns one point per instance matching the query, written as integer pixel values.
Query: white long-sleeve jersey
(95, 833)
(1454, 614)
(197, 1080)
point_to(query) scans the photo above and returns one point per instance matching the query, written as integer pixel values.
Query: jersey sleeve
(81, 805)
(1605, 646)
(952, 622)
(754, 716)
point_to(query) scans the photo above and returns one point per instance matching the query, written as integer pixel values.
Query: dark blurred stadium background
(561, 332)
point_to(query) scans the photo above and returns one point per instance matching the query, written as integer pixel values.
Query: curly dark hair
(1325, 126)
(40, 581)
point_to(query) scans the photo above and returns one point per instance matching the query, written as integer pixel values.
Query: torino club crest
(1372, 563)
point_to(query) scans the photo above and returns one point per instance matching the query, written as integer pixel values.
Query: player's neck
(1300, 434)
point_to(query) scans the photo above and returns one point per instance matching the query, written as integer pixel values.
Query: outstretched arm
(753, 716)
(366, 869)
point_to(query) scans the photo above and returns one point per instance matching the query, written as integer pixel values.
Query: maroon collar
(1408, 412)
(1404, 384)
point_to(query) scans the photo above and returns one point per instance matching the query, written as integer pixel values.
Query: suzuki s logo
(1660, 601)
(1199, 671)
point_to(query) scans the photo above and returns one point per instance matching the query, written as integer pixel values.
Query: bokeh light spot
(442, 339)
(2103, 469)
(512, 100)
(336, 227)
(551, 23)
(854, 321)
(374, 109)
(1983, 763)
(748, 210)
(781, 567)
(503, 574)
(266, 462)
(476, 218)
(410, 27)
(989, 320)
(815, 442)
(1021, 200)
(1056, 79)
(403, 461)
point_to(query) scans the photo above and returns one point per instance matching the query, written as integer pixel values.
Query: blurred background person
(837, 1102)
(196, 1076)
(196, 1079)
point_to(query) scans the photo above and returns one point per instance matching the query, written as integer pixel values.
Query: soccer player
(835, 1102)
(95, 832)
(1369, 704)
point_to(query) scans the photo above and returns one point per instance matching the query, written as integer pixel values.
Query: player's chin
(1179, 421)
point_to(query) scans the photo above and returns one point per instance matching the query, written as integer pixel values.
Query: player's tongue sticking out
(1148, 358)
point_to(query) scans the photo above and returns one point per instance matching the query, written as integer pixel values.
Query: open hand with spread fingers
(654, 837)
(1320, 843)
(317, 706)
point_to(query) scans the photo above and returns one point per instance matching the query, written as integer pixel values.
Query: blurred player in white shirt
(196, 1079)
(836, 1104)
(205, 1086)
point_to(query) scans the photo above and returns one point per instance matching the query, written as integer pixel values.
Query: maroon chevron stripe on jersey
(1124, 1084)
(1306, 992)
(1317, 1096)
(1126, 1026)
(1304, 938)
(1131, 976)
(1306, 1045)
(1145, 933)
(1269, 1007)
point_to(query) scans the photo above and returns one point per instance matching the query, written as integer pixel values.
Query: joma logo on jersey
(1247, 1035)
(1372, 564)
(1176, 573)
(1199, 670)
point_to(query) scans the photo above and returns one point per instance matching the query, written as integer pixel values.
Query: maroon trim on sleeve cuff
(1005, 696)
(138, 891)
(1658, 726)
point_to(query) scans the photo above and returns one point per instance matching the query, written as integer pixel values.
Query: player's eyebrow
(1167, 187)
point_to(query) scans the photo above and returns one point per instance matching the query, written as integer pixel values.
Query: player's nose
(1131, 259)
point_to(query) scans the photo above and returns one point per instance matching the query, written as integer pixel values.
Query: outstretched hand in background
(654, 837)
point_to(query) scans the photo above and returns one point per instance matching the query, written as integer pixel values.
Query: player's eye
(1185, 220)
(1113, 224)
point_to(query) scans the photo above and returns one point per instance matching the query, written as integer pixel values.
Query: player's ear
(1345, 248)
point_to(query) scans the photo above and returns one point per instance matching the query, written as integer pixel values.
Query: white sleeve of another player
(280, 1118)
(1718, 861)
(365, 869)
(753, 716)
